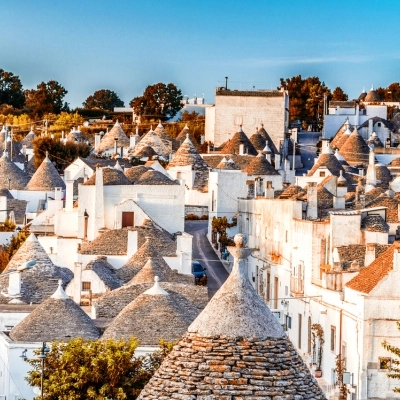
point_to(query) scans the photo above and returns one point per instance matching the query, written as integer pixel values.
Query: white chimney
(369, 254)
(241, 149)
(132, 242)
(96, 140)
(312, 200)
(69, 193)
(277, 162)
(269, 190)
(325, 148)
(77, 282)
(370, 126)
(3, 208)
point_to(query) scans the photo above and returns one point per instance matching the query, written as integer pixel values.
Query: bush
(192, 217)
(204, 217)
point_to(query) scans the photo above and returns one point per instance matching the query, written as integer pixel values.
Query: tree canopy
(390, 93)
(95, 369)
(61, 154)
(103, 99)
(11, 91)
(339, 95)
(46, 98)
(306, 98)
(159, 101)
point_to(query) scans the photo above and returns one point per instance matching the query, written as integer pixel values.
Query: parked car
(198, 271)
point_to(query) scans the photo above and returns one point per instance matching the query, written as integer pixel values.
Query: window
(321, 174)
(276, 292)
(86, 286)
(385, 363)
(288, 322)
(379, 124)
(127, 219)
(333, 338)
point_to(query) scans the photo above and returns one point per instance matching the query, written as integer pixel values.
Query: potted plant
(317, 336)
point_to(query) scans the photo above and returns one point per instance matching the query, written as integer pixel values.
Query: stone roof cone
(162, 147)
(216, 358)
(139, 260)
(233, 145)
(19, 178)
(57, 318)
(268, 139)
(108, 140)
(152, 316)
(183, 135)
(355, 150)
(28, 139)
(147, 274)
(258, 141)
(39, 282)
(260, 166)
(46, 177)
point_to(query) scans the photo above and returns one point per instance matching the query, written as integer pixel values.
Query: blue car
(198, 271)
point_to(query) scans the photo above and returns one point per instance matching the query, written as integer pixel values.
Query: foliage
(191, 116)
(65, 121)
(103, 99)
(391, 93)
(339, 95)
(87, 369)
(394, 362)
(159, 101)
(340, 367)
(11, 91)
(306, 98)
(7, 226)
(8, 250)
(61, 154)
(317, 332)
(220, 225)
(46, 98)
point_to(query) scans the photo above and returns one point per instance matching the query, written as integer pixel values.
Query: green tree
(394, 366)
(306, 98)
(159, 101)
(46, 98)
(390, 93)
(59, 153)
(99, 370)
(103, 99)
(339, 95)
(11, 91)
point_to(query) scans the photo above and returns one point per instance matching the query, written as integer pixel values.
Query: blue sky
(126, 45)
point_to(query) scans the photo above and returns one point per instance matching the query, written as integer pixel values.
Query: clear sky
(126, 45)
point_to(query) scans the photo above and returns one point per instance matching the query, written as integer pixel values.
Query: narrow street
(307, 142)
(204, 253)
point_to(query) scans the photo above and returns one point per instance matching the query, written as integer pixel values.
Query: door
(276, 292)
(127, 219)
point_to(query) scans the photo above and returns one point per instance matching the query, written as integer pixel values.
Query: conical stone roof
(140, 258)
(39, 282)
(260, 166)
(227, 164)
(152, 316)
(329, 161)
(108, 140)
(235, 348)
(19, 178)
(183, 135)
(258, 141)
(233, 145)
(134, 173)
(28, 139)
(57, 318)
(152, 177)
(355, 150)
(268, 139)
(372, 97)
(46, 177)
(111, 177)
(162, 147)
(147, 274)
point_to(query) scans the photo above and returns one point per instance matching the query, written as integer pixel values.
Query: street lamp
(42, 356)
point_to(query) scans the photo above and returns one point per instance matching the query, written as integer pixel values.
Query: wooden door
(127, 219)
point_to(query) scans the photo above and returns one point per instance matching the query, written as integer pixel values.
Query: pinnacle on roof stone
(57, 318)
(156, 289)
(46, 177)
(234, 326)
(118, 166)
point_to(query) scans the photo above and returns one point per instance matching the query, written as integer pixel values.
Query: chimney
(14, 284)
(132, 243)
(69, 192)
(312, 200)
(370, 126)
(241, 148)
(115, 145)
(226, 83)
(250, 189)
(269, 191)
(57, 193)
(339, 201)
(369, 254)
(3, 208)
(371, 172)
(325, 148)
(277, 162)
(96, 140)
(77, 282)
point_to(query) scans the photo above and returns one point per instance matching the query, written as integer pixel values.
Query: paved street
(307, 142)
(203, 252)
